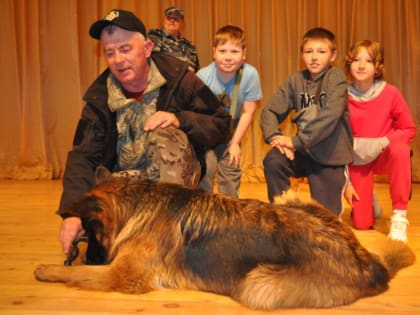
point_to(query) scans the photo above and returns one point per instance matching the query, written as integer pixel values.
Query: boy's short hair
(375, 51)
(319, 33)
(229, 32)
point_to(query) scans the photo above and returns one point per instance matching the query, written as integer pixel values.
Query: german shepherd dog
(146, 236)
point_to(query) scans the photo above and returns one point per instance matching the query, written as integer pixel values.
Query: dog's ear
(82, 208)
(102, 174)
(96, 254)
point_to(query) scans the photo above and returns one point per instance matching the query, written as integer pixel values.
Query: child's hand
(283, 141)
(290, 154)
(284, 145)
(234, 151)
(350, 194)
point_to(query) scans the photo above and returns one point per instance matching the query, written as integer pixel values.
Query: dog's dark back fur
(266, 256)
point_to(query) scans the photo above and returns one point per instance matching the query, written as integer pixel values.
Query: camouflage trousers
(169, 157)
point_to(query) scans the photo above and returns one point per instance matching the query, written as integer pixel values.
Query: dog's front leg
(123, 276)
(85, 277)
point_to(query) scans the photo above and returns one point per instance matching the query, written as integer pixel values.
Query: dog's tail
(394, 255)
(269, 287)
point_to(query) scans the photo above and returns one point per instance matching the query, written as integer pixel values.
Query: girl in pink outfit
(382, 128)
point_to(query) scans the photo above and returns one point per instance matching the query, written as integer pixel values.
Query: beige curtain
(47, 61)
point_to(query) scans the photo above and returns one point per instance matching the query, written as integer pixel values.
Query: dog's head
(105, 210)
(90, 210)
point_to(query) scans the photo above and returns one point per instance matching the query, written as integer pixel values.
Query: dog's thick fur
(149, 236)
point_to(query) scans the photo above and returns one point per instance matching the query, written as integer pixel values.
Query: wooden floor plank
(29, 236)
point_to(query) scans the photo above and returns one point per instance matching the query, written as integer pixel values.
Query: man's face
(172, 24)
(126, 54)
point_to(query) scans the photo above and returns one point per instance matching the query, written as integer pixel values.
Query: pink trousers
(393, 162)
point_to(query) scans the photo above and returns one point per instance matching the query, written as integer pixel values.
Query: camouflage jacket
(199, 112)
(181, 47)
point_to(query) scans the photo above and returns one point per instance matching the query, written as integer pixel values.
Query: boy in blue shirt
(237, 85)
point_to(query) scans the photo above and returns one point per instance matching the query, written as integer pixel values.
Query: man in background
(170, 40)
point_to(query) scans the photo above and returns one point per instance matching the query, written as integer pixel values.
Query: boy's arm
(403, 126)
(248, 110)
(274, 112)
(252, 94)
(349, 192)
(234, 149)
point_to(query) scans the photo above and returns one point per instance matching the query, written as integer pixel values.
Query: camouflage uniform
(163, 154)
(179, 47)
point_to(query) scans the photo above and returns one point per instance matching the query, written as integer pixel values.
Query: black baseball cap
(124, 19)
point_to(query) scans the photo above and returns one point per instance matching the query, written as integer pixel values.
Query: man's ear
(148, 47)
(102, 174)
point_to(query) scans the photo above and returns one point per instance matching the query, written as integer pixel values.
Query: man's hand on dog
(71, 229)
(161, 119)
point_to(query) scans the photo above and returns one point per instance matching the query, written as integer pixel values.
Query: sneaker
(398, 230)
(377, 208)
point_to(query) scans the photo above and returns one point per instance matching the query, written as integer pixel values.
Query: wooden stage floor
(29, 236)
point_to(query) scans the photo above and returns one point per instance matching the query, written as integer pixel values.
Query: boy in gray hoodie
(322, 146)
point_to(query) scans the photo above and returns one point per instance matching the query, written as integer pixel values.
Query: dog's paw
(41, 272)
(50, 273)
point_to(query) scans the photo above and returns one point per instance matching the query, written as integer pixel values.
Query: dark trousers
(325, 182)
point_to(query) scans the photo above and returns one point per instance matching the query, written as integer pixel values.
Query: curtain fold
(48, 61)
